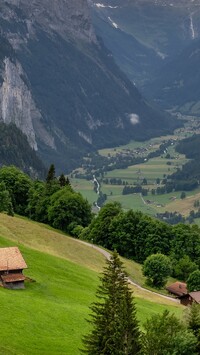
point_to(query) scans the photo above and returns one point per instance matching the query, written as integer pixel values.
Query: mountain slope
(75, 98)
(162, 28)
(178, 84)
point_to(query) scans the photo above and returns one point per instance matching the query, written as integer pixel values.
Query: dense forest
(15, 150)
(52, 201)
(189, 176)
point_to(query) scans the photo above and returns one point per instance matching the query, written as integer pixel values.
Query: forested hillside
(189, 176)
(15, 150)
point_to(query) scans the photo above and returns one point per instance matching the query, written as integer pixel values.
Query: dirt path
(108, 255)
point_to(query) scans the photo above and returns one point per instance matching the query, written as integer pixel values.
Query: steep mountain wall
(60, 85)
(144, 35)
(61, 16)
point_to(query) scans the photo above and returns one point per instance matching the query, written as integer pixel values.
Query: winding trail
(108, 255)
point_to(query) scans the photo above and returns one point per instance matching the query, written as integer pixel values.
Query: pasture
(49, 316)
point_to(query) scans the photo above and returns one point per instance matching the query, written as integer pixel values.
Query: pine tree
(51, 175)
(193, 322)
(115, 327)
(52, 183)
(62, 180)
(68, 182)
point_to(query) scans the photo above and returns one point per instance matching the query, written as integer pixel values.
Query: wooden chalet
(11, 268)
(191, 297)
(177, 289)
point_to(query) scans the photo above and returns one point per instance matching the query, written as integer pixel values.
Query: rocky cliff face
(60, 85)
(67, 18)
(16, 104)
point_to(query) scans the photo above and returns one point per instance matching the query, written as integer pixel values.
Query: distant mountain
(137, 60)
(177, 85)
(61, 86)
(144, 35)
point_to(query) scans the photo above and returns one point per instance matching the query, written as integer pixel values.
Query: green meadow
(49, 316)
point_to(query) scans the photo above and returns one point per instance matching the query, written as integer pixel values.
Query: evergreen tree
(193, 322)
(51, 175)
(68, 182)
(115, 328)
(52, 183)
(62, 180)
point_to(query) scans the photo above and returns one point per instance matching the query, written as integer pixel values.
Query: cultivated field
(151, 170)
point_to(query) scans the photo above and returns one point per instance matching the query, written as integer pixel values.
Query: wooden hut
(192, 297)
(11, 268)
(178, 289)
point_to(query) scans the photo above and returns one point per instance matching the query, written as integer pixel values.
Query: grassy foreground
(49, 316)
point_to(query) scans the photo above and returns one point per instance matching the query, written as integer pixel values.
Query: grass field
(151, 170)
(86, 188)
(49, 316)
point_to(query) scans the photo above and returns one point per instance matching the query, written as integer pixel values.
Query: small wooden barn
(192, 297)
(177, 289)
(12, 265)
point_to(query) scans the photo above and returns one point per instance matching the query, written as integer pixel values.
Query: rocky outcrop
(64, 17)
(17, 105)
(15, 101)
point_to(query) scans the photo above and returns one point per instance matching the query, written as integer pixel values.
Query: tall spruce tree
(51, 175)
(62, 180)
(115, 327)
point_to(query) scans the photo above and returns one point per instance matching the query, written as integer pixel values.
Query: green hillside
(49, 316)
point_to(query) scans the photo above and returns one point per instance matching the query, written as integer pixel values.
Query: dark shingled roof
(11, 259)
(178, 288)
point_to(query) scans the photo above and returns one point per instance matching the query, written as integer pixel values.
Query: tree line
(137, 236)
(52, 201)
(189, 176)
(133, 234)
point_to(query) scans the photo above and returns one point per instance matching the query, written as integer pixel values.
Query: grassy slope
(48, 317)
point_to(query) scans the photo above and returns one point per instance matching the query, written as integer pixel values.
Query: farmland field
(153, 170)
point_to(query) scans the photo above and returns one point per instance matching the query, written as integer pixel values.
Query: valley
(148, 173)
